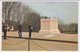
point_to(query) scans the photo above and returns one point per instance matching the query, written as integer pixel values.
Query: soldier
(4, 29)
(30, 29)
(20, 30)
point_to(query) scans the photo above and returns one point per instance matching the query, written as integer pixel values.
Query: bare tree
(14, 12)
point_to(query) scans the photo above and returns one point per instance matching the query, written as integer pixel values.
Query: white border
(79, 26)
(41, 1)
(0, 25)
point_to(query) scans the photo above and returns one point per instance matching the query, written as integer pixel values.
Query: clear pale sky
(67, 11)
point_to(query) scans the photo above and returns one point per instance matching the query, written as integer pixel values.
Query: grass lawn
(70, 32)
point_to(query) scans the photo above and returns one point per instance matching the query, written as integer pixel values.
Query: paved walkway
(40, 42)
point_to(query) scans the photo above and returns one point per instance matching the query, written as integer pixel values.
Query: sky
(66, 11)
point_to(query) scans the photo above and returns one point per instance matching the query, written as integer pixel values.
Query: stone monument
(49, 26)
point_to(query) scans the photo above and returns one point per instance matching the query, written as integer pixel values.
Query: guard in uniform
(4, 29)
(20, 30)
(30, 30)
